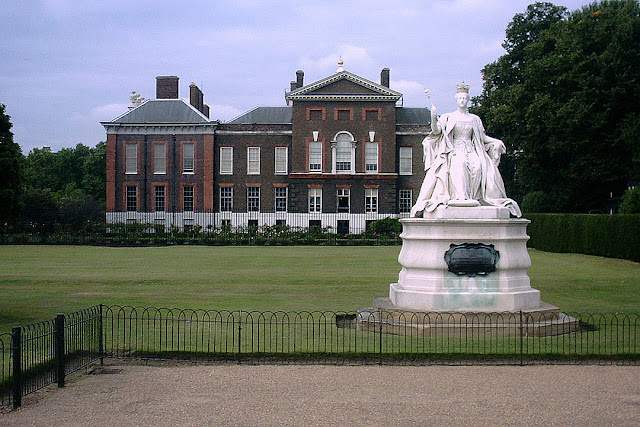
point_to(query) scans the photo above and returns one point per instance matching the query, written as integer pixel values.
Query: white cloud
(108, 112)
(354, 58)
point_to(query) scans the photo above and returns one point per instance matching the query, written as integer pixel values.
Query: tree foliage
(10, 171)
(564, 99)
(68, 184)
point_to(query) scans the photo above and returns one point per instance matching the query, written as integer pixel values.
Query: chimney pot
(167, 87)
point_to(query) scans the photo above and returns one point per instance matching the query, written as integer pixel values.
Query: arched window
(344, 153)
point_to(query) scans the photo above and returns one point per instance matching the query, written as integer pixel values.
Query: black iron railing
(43, 353)
(36, 355)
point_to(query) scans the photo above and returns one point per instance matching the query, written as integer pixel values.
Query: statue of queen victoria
(461, 162)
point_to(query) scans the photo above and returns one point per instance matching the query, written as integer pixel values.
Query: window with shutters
(160, 158)
(371, 157)
(281, 160)
(226, 160)
(131, 158)
(253, 160)
(188, 160)
(406, 158)
(315, 156)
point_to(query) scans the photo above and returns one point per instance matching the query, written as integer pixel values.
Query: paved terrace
(244, 395)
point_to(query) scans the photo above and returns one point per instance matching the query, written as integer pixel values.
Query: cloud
(108, 112)
(354, 57)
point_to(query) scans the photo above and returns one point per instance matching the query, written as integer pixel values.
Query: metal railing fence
(329, 336)
(36, 355)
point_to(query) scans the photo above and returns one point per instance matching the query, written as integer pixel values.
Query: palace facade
(340, 153)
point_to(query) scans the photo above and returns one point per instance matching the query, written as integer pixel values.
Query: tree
(11, 159)
(561, 98)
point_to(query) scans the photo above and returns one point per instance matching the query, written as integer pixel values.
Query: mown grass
(36, 282)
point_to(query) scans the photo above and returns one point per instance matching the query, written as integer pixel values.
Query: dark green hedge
(614, 236)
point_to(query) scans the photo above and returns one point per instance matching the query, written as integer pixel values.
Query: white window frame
(228, 197)
(281, 155)
(371, 200)
(160, 161)
(315, 200)
(131, 197)
(352, 153)
(280, 197)
(156, 198)
(253, 160)
(192, 196)
(405, 194)
(315, 158)
(226, 160)
(371, 154)
(254, 197)
(131, 158)
(405, 161)
(343, 192)
(188, 162)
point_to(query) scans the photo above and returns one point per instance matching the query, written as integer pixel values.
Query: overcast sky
(66, 65)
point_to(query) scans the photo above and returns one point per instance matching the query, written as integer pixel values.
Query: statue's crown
(461, 87)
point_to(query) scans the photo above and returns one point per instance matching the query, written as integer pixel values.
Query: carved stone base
(425, 282)
(545, 320)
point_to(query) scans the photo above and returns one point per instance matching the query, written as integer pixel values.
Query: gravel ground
(294, 395)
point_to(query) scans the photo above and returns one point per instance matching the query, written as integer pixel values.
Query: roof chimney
(293, 85)
(299, 78)
(167, 87)
(384, 77)
(196, 99)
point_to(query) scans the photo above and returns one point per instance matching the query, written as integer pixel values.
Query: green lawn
(38, 281)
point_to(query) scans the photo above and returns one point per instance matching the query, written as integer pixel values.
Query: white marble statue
(461, 162)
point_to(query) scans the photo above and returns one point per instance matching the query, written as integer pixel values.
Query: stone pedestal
(425, 284)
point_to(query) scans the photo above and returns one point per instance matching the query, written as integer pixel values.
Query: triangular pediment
(343, 86)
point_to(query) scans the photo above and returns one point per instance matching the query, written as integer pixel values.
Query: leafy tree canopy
(564, 99)
(11, 160)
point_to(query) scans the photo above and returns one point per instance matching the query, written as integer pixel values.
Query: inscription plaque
(471, 259)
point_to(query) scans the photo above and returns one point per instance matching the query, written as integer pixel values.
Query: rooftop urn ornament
(340, 66)
(461, 162)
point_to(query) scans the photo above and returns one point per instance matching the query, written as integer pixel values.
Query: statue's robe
(437, 148)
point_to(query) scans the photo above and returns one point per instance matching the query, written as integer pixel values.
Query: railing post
(521, 340)
(239, 338)
(380, 334)
(101, 338)
(16, 346)
(59, 349)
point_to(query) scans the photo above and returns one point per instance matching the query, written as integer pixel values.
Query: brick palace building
(340, 153)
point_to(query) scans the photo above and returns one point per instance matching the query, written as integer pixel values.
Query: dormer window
(344, 153)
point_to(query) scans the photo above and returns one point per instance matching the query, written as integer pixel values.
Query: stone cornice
(159, 128)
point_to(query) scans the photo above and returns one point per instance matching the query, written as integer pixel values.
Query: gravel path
(233, 395)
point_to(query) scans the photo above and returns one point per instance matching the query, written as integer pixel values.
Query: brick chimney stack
(167, 87)
(299, 78)
(196, 99)
(293, 85)
(384, 77)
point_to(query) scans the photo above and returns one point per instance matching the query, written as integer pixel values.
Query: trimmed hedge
(613, 236)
